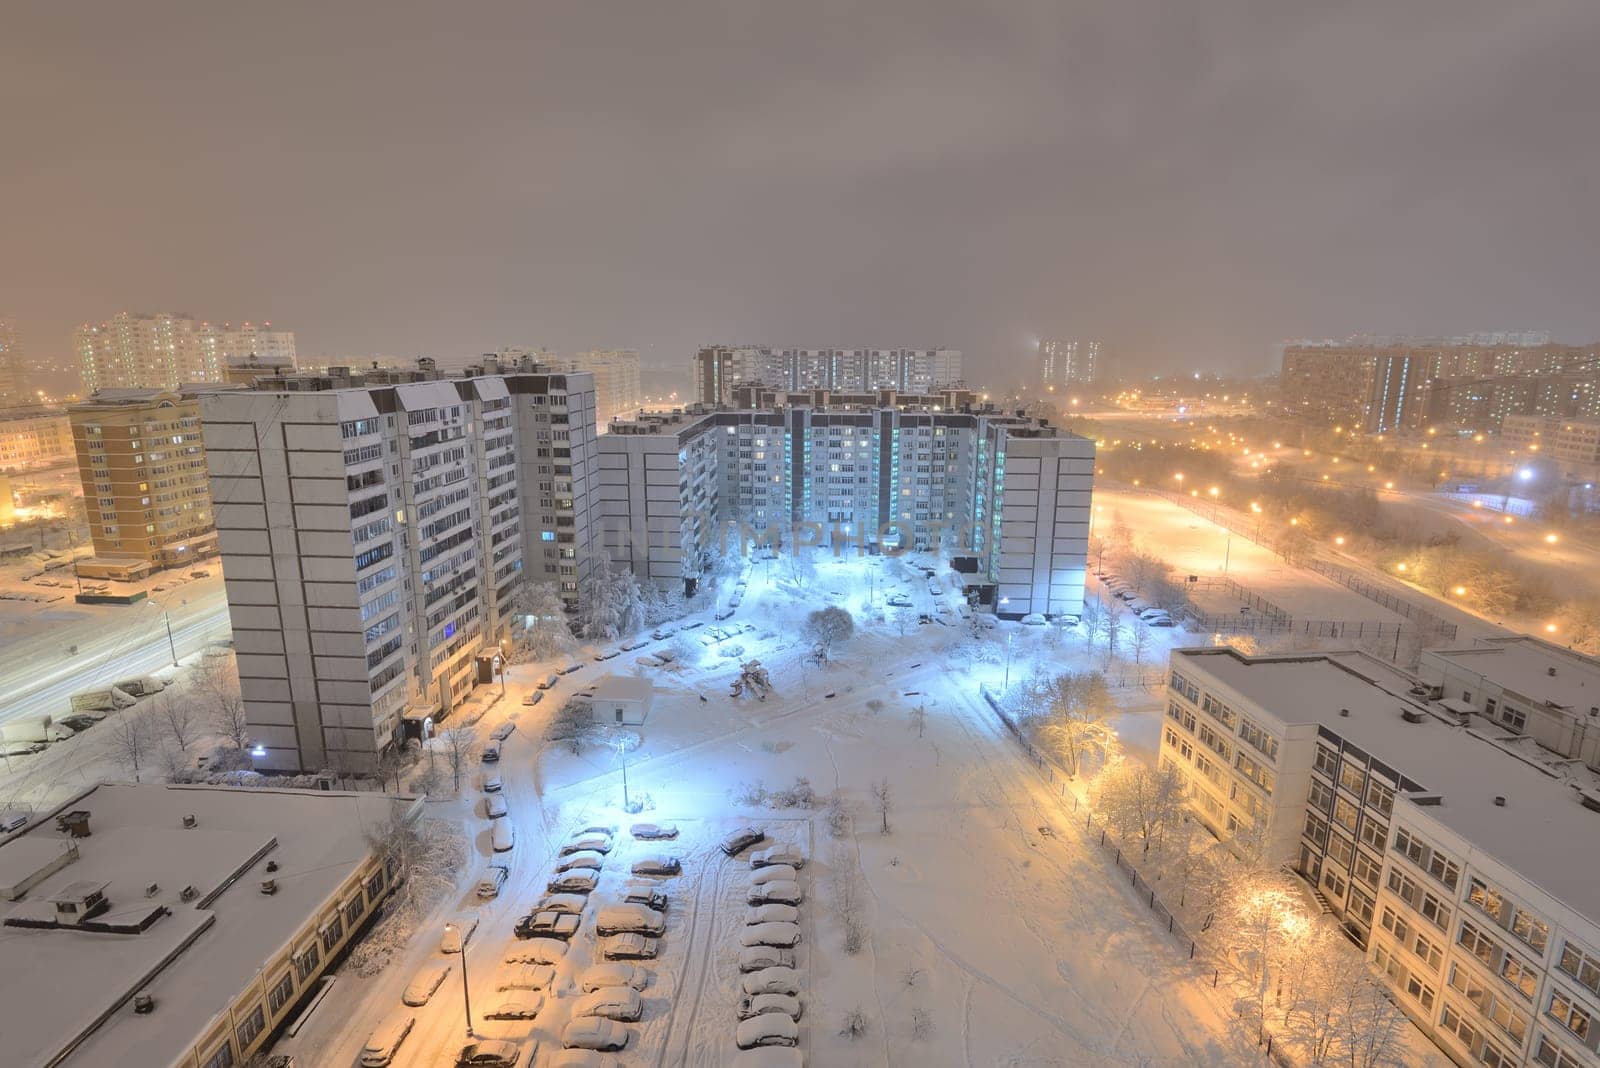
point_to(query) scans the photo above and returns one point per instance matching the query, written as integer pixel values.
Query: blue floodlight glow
(1525, 474)
(258, 750)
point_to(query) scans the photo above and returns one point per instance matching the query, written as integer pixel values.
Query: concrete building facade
(146, 487)
(376, 529)
(163, 351)
(13, 369)
(1064, 363)
(718, 369)
(34, 436)
(1463, 865)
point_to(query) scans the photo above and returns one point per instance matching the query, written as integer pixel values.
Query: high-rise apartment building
(142, 462)
(1572, 444)
(375, 530)
(33, 436)
(1064, 363)
(617, 393)
(1383, 385)
(1456, 851)
(164, 351)
(718, 369)
(930, 471)
(13, 373)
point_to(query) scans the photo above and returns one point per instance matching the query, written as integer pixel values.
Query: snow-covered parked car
(458, 929)
(1162, 621)
(651, 896)
(583, 841)
(653, 832)
(426, 981)
(491, 753)
(562, 925)
(1033, 619)
(569, 667)
(756, 1004)
(778, 854)
(549, 680)
(770, 934)
(636, 643)
(600, 976)
(521, 1006)
(630, 947)
(537, 951)
(777, 873)
(611, 1002)
(592, 1032)
(569, 903)
(768, 1029)
(524, 977)
(899, 600)
(494, 806)
(492, 879)
(576, 881)
(491, 783)
(657, 864)
(755, 958)
(489, 1053)
(583, 858)
(629, 919)
(771, 981)
(504, 731)
(504, 836)
(385, 1041)
(533, 698)
(664, 631)
(771, 914)
(743, 838)
(783, 893)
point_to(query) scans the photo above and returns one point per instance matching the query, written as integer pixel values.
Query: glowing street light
(1460, 591)
(1551, 539)
(1550, 628)
(1400, 567)
(1339, 540)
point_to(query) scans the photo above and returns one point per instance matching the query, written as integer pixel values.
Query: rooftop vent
(144, 1004)
(1344, 712)
(1589, 799)
(152, 890)
(188, 893)
(1500, 800)
(1550, 671)
(75, 823)
(1412, 715)
(272, 865)
(1431, 800)
(190, 822)
(269, 886)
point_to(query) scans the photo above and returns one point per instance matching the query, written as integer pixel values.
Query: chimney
(269, 886)
(190, 823)
(144, 1004)
(1499, 800)
(1344, 712)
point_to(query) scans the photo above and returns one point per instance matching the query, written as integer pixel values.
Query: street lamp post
(1009, 636)
(622, 754)
(172, 646)
(466, 993)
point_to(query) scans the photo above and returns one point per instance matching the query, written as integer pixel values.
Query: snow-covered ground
(990, 918)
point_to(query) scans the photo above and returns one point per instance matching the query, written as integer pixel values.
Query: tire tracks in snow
(706, 933)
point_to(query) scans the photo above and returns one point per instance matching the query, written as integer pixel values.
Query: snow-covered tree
(1075, 726)
(542, 617)
(459, 745)
(215, 682)
(1138, 802)
(829, 626)
(133, 739)
(424, 857)
(1140, 640)
(1264, 927)
(613, 605)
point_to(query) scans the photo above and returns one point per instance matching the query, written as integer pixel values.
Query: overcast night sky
(1189, 181)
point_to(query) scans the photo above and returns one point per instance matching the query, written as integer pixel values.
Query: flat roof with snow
(623, 688)
(66, 995)
(1543, 832)
(1535, 669)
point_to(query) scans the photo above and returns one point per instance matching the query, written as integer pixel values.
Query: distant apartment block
(13, 369)
(1387, 385)
(375, 530)
(617, 393)
(718, 369)
(142, 462)
(163, 351)
(34, 436)
(923, 471)
(1459, 856)
(190, 924)
(1064, 364)
(1571, 444)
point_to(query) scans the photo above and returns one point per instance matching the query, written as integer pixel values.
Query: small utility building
(622, 699)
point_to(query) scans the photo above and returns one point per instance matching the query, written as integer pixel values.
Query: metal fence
(1351, 579)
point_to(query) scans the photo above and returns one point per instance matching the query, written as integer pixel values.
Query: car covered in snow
(504, 731)
(503, 837)
(777, 873)
(1162, 622)
(569, 667)
(771, 914)
(1033, 619)
(738, 841)
(494, 806)
(657, 864)
(491, 753)
(651, 896)
(424, 983)
(533, 698)
(492, 879)
(592, 1032)
(629, 919)
(653, 832)
(782, 893)
(458, 929)
(611, 1002)
(491, 783)
(570, 903)
(630, 947)
(899, 600)
(755, 958)
(385, 1042)
(636, 643)
(490, 1053)
(562, 925)
(756, 1004)
(771, 981)
(600, 976)
(768, 1029)
(549, 680)
(524, 977)
(779, 854)
(663, 632)
(537, 951)
(583, 858)
(520, 1006)
(770, 934)
(607, 654)
(583, 841)
(576, 881)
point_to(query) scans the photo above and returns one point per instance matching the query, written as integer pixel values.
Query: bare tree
(1091, 621)
(828, 627)
(132, 740)
(1111, 626)
(882, 800)
(177, 716)
(846, 879)
(1141, 640)
(460, 745)
(215, 680)
(391, 765)
(919, 719)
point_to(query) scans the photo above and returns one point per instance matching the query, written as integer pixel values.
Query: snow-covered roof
(1543, 832)
(623, 688)
(1536, 670)
(193, 962)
